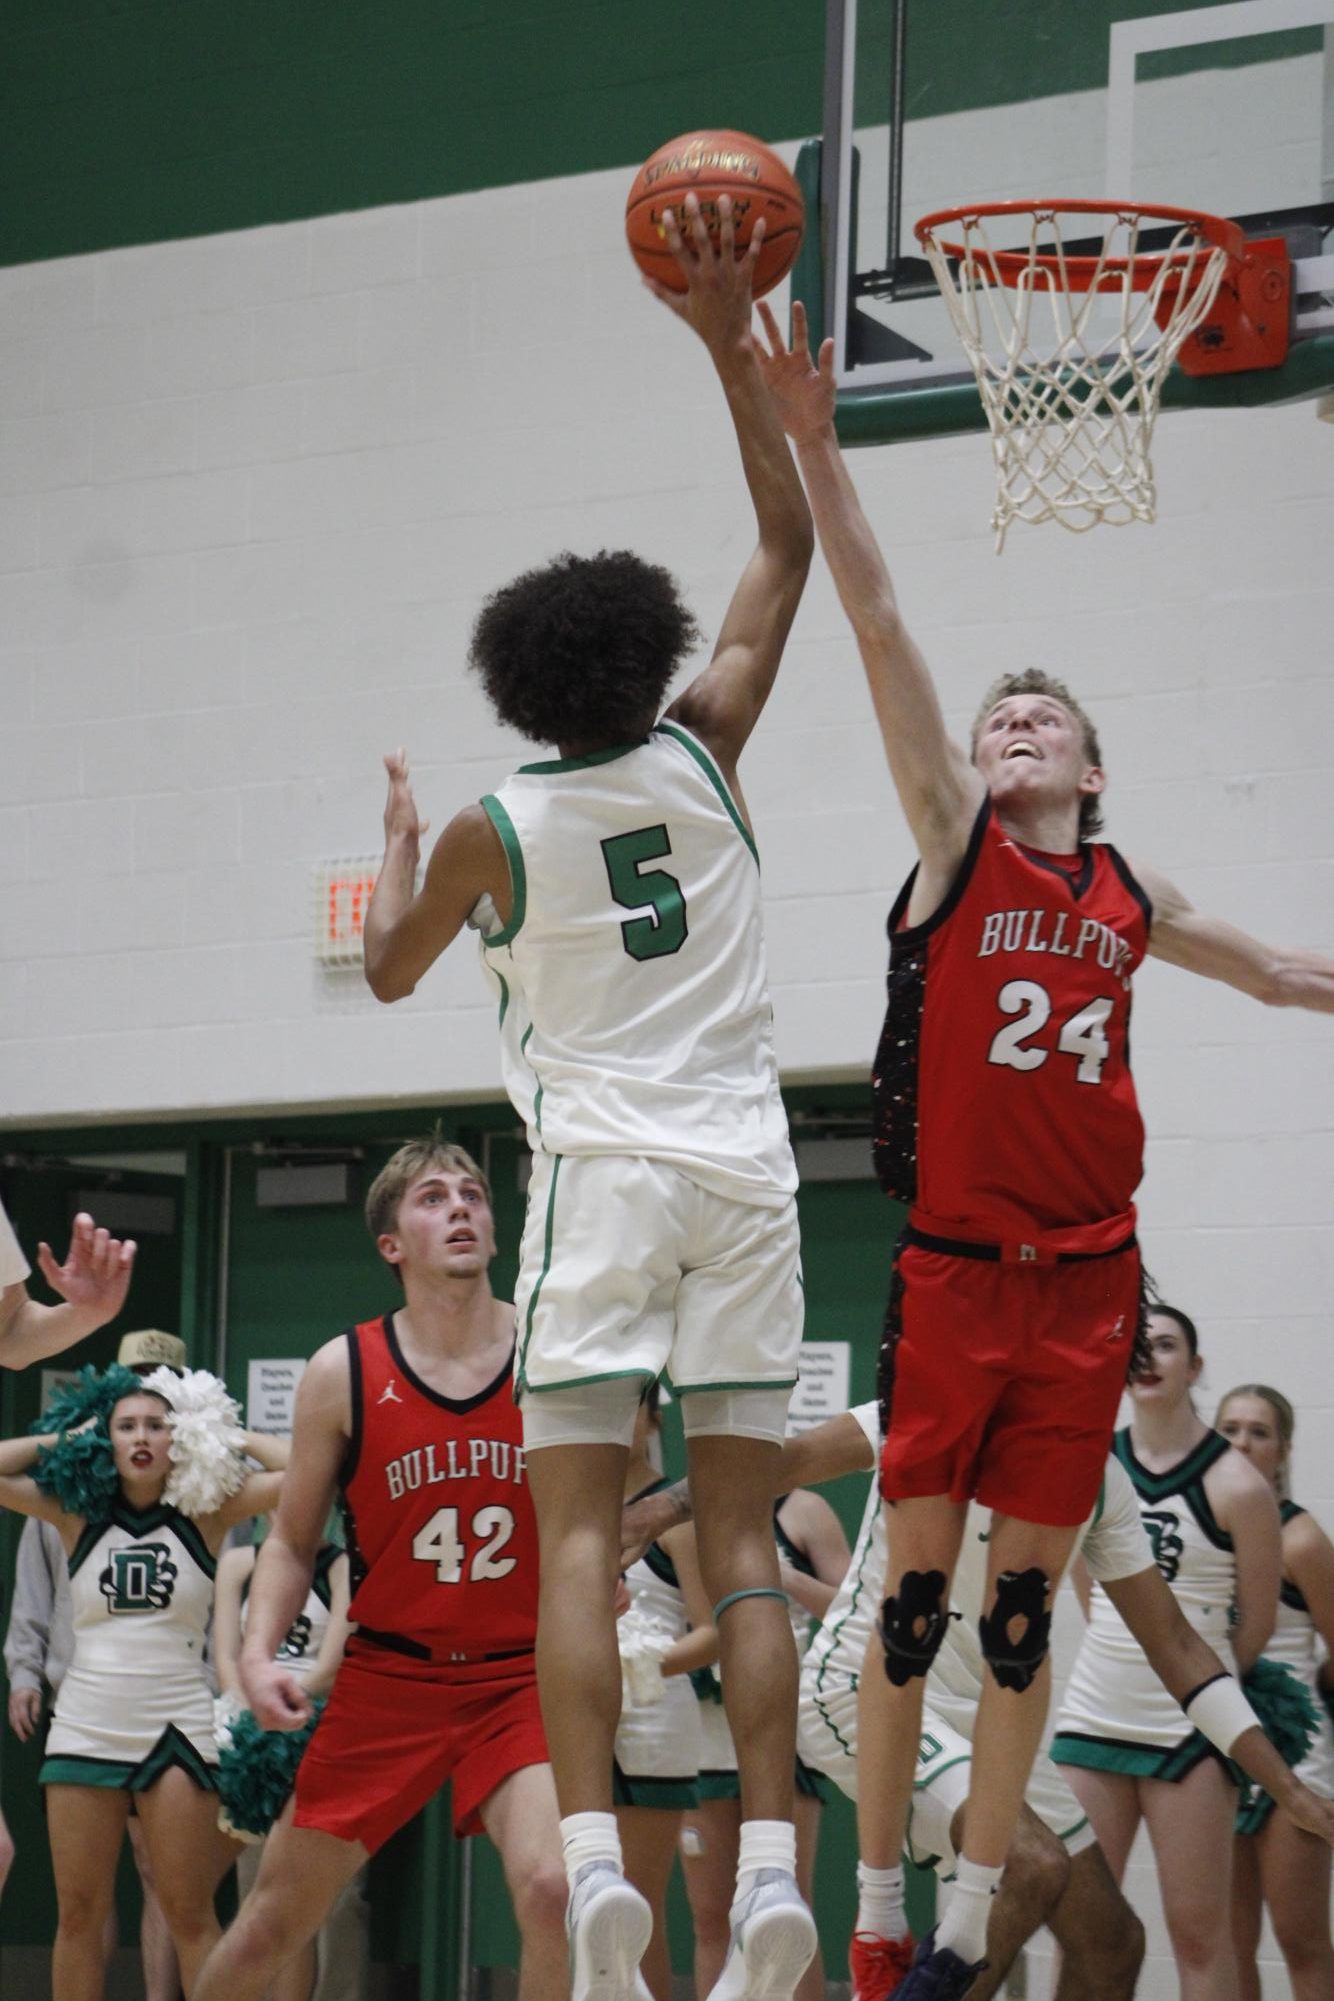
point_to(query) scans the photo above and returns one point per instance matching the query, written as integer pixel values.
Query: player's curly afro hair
(582, 650)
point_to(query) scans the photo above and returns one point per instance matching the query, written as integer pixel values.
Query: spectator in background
(1276, 1862)
(92, 1284)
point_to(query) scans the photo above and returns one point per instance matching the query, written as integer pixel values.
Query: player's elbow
(386, 981)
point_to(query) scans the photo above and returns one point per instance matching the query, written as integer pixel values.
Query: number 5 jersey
(441, 1535)
(631, 978)
(1004, 1105)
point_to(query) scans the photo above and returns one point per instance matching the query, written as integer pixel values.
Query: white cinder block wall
(251, 490)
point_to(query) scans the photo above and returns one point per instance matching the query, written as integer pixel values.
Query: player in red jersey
(1006, 1119)
(411, 1419)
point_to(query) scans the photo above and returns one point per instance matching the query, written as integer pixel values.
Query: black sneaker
(937, 1974)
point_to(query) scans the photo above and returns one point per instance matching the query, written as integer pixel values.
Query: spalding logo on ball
(711, 164)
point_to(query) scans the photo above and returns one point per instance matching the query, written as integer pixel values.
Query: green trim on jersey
(835, 1636)
(938, 1771)
(715, 778)
(504, 997)
(520, 1383)
(509, 840)
(141, 1522)
(631, 1789)
(577, 1382)
(1185, 1479)
(1171, 1763)
(551, 765)
(537, 1095)
(173, 1748)
(751, 1383)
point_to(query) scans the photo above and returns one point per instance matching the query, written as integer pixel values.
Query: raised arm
(92, 1283)
(1277, 975)
(407, 929)
(286, 1561)
(939, 789)
(19, 1491)
(722, 705)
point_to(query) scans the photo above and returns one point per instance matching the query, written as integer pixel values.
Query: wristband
(1220, 1712)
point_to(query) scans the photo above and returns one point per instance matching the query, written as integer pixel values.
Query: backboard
(1224, 107)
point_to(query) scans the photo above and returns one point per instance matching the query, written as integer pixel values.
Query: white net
(1070, 352)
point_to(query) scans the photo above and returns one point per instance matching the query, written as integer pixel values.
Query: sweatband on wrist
(1220, 1712)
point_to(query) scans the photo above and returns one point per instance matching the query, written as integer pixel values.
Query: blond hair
(1285, 1420)
(418, 1157)
(1034, 681)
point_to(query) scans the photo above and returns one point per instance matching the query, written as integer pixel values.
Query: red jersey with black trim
(441, 1534)
(1004, 1105)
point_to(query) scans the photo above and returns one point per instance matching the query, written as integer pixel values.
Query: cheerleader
(1275, 1862)
(1129, 1753)
(142, 1479)
(311, 1649)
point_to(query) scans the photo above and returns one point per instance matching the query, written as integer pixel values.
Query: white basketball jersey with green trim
(631, 977)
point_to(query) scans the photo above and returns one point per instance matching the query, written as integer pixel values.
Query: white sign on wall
(824, 1372)
(271, 1395)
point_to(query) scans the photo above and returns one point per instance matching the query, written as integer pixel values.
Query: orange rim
(1079, 274)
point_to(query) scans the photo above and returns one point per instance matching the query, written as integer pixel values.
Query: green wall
(131, 121)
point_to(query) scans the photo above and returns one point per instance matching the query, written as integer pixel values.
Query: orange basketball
(710, 164)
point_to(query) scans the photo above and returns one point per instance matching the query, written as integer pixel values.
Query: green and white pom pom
(256, 1773)
(1288, 1718)
(79, 1471)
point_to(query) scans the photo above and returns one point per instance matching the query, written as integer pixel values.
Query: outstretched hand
(804, 391)
(95, 1276)
(716, 301)
(402, 821)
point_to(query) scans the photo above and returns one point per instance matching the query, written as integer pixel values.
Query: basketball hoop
(1070, 352)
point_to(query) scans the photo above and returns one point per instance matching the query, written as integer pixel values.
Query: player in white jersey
(1128, 1752)
(134, 1713)
(1076, 1898)
(1276, 1864)
(616, 888)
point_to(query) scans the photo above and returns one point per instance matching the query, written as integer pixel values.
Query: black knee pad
(1020, 1594)
(912, 1625)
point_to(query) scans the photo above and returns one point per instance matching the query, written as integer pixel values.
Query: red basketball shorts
(1000, 1381)
(396, 1729)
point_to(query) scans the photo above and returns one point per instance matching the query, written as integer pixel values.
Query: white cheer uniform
(1294, 1643)
(300, 1646)
(637, 1045)
(657, 1752)
(136, 1697)
(1116, 1715)
(1112, 1543)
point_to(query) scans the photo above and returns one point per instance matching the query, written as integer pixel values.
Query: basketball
(712, 164)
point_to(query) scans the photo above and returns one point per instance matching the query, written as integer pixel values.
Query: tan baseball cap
(150, 1348)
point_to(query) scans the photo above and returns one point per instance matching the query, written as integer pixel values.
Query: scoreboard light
(342, 897)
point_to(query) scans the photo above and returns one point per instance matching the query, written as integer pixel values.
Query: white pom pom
(207, 1440)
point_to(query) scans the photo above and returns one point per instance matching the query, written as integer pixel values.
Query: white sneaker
(773, 1942)
(609, 1926)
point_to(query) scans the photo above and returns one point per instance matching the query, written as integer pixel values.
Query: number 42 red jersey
(442, 1538)
(1004, 1105)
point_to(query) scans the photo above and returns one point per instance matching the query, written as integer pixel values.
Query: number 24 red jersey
(442, 1538)
(1004, 1104)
